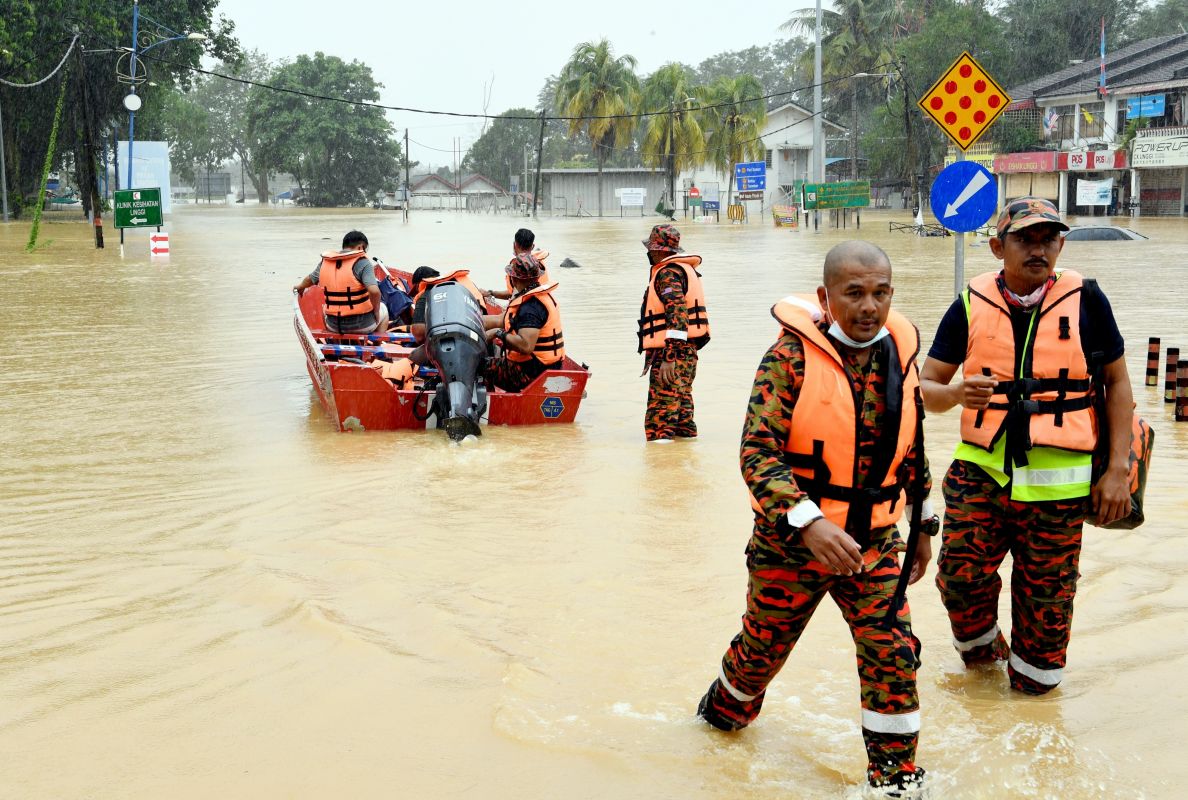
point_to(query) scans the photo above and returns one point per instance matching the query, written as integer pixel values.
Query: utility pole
(407, 188)
(89, 172)
(539, 156)
(3, 168)
(818, 139)
(525, 184)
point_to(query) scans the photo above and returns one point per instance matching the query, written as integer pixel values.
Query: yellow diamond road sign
(964, 101)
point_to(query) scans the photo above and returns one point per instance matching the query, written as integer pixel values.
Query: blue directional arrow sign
(964, 196)
(750, 176)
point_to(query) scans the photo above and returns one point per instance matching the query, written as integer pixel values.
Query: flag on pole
(1050, 119)
(1101, 84)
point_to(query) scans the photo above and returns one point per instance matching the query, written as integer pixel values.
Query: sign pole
(959, 250)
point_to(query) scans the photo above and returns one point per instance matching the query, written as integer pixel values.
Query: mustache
(1042, 262)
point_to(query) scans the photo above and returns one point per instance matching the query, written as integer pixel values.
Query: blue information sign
(1149, 105)
(964, 196)
(552, 407)
(750, 176)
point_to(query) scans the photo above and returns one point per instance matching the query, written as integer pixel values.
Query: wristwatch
(501, 335)
(931, 526)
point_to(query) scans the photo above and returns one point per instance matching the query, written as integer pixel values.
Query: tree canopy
(338, 151)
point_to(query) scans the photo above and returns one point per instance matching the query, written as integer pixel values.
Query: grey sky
(437, 54)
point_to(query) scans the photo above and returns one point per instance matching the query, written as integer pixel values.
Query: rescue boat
(356, 397)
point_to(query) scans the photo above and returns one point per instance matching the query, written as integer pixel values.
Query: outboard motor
(457, 345)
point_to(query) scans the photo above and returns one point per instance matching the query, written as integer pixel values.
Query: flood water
(208, 592)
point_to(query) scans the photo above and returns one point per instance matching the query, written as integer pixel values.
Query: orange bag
(1142, 442)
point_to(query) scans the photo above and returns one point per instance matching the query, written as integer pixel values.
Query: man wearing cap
(673, 326)
(529, 330)
(1035, 344)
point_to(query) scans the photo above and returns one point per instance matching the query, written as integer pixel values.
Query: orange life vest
(550, 344)
(1043, 394)
(539, 255)
(458, 276)
(345, 295)
(652, 326)
(822, 442)
(400, 372)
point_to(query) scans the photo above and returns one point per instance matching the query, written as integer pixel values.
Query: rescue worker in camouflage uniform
(529, 330)
(828, 446)
(673, 326)
(1035, 344)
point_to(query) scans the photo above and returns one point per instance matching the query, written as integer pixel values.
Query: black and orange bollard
(1170, 375)
(1182, 392)
(1153, 361)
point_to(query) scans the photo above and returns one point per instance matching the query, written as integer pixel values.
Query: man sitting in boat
(429, 278)
(347, 278)
(523, 242)
(529, 330)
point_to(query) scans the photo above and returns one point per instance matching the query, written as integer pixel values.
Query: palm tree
(858, 36)
(673, 139)
(734, 118)
(594, 90)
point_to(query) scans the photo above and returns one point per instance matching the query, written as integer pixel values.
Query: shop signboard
(1168, 150)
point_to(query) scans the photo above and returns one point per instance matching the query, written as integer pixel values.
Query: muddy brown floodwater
(207, 592)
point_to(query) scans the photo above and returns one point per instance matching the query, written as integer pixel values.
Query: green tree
(733, 124)
(777, 67)
(596, 89)
(36, 34)
(673, 139)
(1160, 19)
(341, 152)
(1045, 35)
(500, 151)
(858, 37)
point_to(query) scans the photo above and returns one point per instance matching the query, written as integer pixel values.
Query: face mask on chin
(837, 333)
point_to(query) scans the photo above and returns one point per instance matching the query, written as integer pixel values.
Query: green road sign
(842, 194)
(138, 208)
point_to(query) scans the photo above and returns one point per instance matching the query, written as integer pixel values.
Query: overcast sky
(438, 54)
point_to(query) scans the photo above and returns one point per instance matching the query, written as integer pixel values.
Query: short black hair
(352, 239)
(525, 239)
(421, 274)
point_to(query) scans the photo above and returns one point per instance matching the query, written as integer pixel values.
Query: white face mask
(837, 333)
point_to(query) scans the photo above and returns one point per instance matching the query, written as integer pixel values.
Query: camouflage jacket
(766, 427)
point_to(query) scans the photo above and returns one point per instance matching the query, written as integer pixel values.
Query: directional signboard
(964, 101)
(750, 176)
(964, 196)
(137, 208)
(840, 194)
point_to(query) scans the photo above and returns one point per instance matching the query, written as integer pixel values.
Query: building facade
(1114, 138)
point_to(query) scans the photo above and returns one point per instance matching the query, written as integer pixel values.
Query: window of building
(1064, 121)
(767, 159)
(1092, 120)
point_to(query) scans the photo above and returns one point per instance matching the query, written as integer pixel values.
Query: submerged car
(1101, 233)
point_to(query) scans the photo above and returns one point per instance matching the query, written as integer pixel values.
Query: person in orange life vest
(430, 277)
(1036, 344)
(529, 330)
(353, 303)
(523, 242)
(828, 447)
(673, 326)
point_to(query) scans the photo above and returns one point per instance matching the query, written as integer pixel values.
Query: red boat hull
(356, 397)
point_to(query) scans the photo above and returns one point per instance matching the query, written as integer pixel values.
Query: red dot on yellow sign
(964, 101)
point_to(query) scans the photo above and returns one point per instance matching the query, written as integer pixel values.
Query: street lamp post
(132, 101)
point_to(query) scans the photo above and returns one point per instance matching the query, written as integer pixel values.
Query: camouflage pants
(511, 376)
(670, 408)
(982, 525)
(780, 600)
